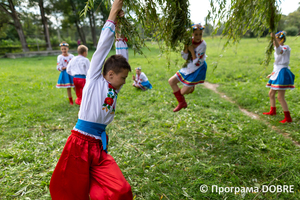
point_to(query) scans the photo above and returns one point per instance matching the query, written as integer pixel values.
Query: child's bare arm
(185, 48)
(118, 30)
(116, 7)
(274, 39)
(191, 49)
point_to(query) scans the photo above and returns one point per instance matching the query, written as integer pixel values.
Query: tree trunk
(17, 24)
(92, 25)
(77, 23)
(45, 24)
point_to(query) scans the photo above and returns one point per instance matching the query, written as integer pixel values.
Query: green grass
(163, 155)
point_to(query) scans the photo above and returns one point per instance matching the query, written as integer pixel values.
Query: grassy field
(163, 155)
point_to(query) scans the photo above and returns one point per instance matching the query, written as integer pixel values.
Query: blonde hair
(81, 49)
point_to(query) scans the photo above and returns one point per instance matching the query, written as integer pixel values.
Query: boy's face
(64, 49)
(138, 71)
(197, 34)
(117, 80)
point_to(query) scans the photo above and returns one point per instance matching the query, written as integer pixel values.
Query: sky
(199, 8)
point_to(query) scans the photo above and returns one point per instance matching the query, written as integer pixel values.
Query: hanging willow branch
(169, 25)
(256, 16)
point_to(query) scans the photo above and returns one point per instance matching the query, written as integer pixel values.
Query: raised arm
(105, 42)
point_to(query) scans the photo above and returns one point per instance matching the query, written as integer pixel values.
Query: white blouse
(99, 98)
(193, 65)
(121, 47)
(79, 65)
(141, 78)
(282, 55)
(63, 61)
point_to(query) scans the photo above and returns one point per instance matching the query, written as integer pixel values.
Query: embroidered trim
(85, 133)
(111, 21)
(108, 28)
(109, 100)
(122, 48)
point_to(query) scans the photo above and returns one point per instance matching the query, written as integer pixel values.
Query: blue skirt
(65, 80)
(146, 84)
(284, 81)
(195, 78)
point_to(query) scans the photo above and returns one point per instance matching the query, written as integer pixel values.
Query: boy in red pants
(85, 170)
(78, 68)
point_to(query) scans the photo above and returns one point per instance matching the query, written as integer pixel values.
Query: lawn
(163, 155)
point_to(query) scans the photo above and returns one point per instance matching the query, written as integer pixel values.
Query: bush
(292, 31)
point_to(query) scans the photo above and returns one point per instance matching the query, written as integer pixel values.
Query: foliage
(292, 30)
(169, 24)
(242, 16)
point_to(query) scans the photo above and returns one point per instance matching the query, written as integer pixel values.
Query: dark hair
(116, 63)
(81, 49)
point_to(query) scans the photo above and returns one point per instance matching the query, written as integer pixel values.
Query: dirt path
(213, 87)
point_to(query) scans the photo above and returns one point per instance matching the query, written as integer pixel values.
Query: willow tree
(243, 15)
(169, 20)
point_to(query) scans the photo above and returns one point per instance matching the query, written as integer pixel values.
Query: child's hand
(272, 35)
(121, 13)
(116, 7)
(191, 48)
(133, 78)
(63, 68)
(269, 76)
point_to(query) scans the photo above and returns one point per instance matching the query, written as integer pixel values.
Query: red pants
(79, 84)
(84, 170)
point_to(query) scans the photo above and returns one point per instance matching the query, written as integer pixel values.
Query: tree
(76, 19)
(256, 16)
(3, 24)
(9, 8)
(45, 24)
(93, 26)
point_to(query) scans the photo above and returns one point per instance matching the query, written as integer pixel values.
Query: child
(78, 68)
(84, 169)
(64, 79)
(121, 44)
(281, 78)
(141, 80)
(195, 72)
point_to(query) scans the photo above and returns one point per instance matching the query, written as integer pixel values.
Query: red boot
(287, 117)
(71, 100)
(181, 101)
(272, 111)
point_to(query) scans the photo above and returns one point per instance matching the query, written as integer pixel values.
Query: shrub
(292, 31)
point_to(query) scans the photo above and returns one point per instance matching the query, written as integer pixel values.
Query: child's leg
(79, 85)
(281, 99)
(186, 90)
(173, 83)
(272, 97)
(272, 102)
(70, 179)
(107, 180)
(177, 92)
(69, 92)
(70, 95)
